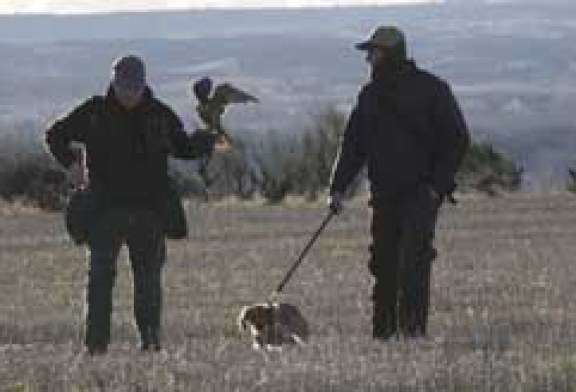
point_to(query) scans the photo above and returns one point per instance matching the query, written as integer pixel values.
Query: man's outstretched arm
(186, 146)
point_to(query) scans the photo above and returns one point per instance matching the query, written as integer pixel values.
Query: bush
(301, 165)
(274, 167)
(279, 166)
(487, 170)
(33, 178)
(231, 172)
(571, 180)
(320, 146)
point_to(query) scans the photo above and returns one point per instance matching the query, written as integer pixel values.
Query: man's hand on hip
(78, 175)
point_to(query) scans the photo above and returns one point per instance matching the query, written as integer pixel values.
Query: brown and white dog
(272, 325)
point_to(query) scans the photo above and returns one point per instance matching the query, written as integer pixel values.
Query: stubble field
(503, 314)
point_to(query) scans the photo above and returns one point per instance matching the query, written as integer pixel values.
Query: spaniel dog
(272, 325)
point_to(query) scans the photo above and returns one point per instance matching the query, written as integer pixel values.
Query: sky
(91, 6)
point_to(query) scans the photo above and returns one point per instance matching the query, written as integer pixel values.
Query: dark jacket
(407, 128)
(126, 150)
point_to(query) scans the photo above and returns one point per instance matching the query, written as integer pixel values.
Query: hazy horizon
(58, 7)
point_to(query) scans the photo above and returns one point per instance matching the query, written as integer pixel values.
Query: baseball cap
(129, 72)
(385, 37)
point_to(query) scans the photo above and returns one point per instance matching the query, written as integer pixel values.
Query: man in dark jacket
(127, 137)
(407, 128)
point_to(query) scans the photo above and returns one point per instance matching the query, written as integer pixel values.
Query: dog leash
(303, 254)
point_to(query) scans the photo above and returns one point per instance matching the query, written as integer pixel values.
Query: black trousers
(142, 231)
(401, 259)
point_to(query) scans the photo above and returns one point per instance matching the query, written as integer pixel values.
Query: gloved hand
(77, 175)
(223, 144)
(203, 142)
(336, 202)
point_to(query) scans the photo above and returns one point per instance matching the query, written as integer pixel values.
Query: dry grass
(503, 317)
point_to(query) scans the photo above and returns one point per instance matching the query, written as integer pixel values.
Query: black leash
(303, 254)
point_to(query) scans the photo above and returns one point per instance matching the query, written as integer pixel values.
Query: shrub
(233, 172)
(302, 164)
(33, 178)
(488, 170)
(274, 167)
(320, 146)
(278, 161)
(571, 186)
(187, 180)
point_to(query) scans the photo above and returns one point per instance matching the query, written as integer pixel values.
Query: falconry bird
(210, 108)
(212, 103)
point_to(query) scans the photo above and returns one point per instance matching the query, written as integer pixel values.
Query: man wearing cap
(408, 130)
(127, 136)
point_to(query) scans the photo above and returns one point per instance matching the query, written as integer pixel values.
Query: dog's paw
(298, 340)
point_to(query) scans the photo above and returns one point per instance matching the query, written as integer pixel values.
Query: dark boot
(96, 349)
(150, 340)
(384, 334)
(383, 326)
(384, 321)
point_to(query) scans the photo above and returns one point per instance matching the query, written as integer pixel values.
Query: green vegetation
(488, 170)
(33, 178)
(302, 165)
(571, 186)
(273, 167)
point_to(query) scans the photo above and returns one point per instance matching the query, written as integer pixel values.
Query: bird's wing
(225, 93)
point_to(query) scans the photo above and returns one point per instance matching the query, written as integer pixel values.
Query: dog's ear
(242, 324)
